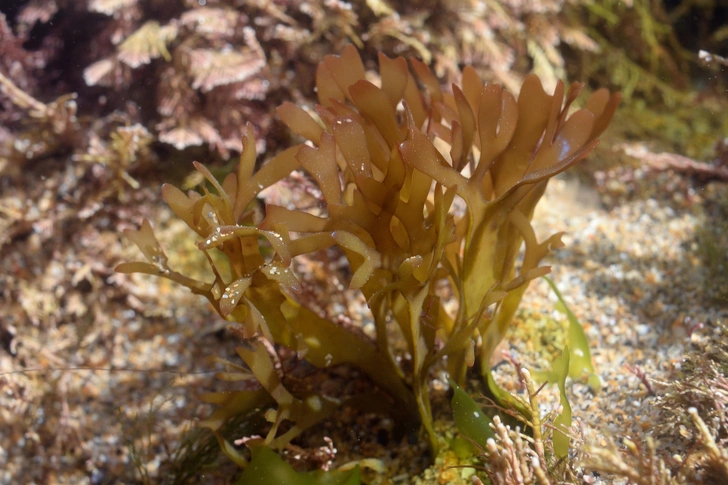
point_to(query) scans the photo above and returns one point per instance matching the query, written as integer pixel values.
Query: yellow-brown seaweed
(390, 161)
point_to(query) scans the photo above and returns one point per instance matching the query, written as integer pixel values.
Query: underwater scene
(380, 242)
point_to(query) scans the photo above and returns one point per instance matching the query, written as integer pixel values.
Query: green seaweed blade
(470, 419)
(580, 360)
(267, 468)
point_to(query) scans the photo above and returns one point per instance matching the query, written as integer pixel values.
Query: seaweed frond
(390, 160)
